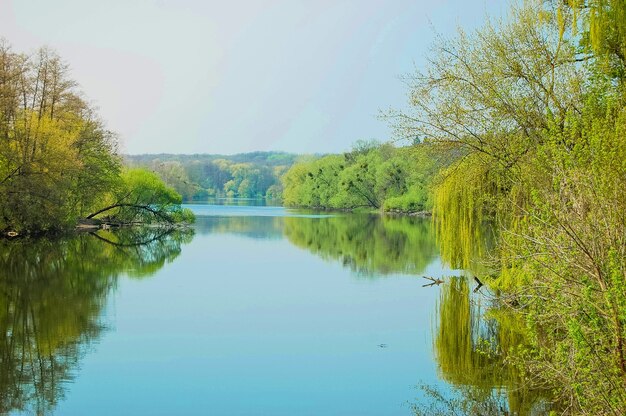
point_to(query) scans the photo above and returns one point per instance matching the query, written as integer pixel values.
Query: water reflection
(470, 344)
(52, 293)
(257, 227)
(369, 245)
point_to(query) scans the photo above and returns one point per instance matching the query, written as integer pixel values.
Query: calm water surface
(259, 310)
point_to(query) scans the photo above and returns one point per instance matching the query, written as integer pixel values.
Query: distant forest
(201, 176)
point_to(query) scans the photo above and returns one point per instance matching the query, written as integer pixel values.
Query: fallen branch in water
(433, 280)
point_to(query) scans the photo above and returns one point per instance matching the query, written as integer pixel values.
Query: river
(257, 310)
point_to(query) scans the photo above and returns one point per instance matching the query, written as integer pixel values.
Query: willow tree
(533, 108)
(493, 92)
(488, 97)
(601, 28)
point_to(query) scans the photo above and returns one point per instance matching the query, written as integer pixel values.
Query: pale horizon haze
(194, 76)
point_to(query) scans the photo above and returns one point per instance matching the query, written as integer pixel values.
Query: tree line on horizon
(201, 176)
(372, 175)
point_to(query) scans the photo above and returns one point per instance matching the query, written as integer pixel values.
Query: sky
(231, 76)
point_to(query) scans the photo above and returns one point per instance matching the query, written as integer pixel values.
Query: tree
(495, 91)
(532, 109)
(142, 197)
(600, 27)
(58, 162)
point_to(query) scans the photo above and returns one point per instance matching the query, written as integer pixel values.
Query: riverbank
(93, 225)
(363, 210)
(396, 212)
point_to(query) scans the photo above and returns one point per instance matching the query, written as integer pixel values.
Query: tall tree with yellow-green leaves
(55, 156)
(533, 107)
(58, 162)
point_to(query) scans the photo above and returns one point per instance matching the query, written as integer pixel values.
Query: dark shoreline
(86, 227)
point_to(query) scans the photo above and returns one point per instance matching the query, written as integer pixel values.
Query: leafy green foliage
(57, 161)
(372, 176)
(142, 197)
(533, 108)
(55, 156)
(600, 26)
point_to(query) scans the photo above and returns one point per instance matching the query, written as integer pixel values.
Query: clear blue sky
(196, 76)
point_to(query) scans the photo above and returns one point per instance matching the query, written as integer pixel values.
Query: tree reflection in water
(470, 343)
(52, 292)
(369, 245)
(52, 295)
